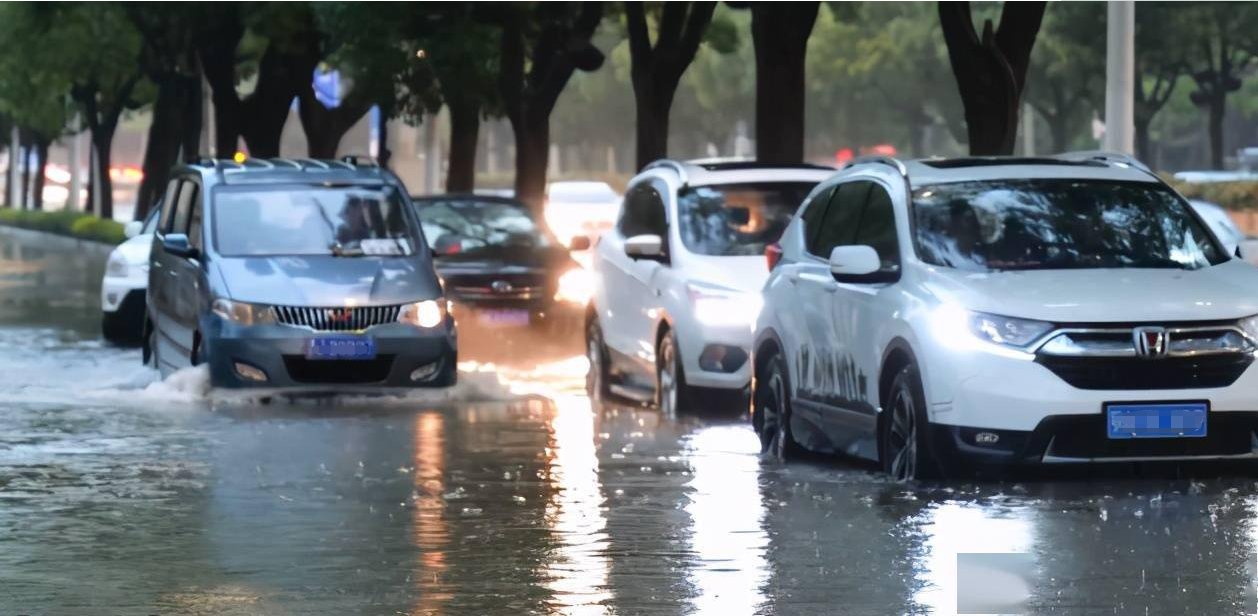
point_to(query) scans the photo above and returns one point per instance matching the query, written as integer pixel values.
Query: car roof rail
(287, 161)
(359, 160)
(1108, 158)
(665, 163)
(879, 160)
(307, 163)
(257, 162)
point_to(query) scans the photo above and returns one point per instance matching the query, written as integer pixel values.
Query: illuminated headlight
(723, 307)
(960, 328)
(117, 266)
(242, 313)
(576, 286)
(426, 314)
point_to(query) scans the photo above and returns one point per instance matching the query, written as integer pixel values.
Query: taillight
(773, 254)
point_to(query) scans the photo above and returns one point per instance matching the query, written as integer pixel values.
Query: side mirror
(177, 244)
(1247, 250)
(579, 242)
(854, 263)
(133, 228)
(647, 246)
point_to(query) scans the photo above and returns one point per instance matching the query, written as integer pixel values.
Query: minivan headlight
(117, 266)
(242, 312)
(426, 314)
(1006, 331)
(1249, 325)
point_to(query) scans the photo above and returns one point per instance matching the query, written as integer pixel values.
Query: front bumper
(279, 351)
(718, 357)
(115, 289)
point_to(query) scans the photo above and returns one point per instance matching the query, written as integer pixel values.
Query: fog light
(425, 372)
(721, 358)
(249, 373)
(113, 298)
(986, 438)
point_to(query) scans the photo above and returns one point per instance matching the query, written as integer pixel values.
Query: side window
(877, 228)
(643, 213)
(183, 207)
(150, 223)
(194, 216)
(168, 208)
(814, 213)
(842, 218)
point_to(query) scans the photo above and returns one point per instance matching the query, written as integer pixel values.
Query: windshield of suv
(1058, 224)
(345, 221)
(469, 226)
(737, 219)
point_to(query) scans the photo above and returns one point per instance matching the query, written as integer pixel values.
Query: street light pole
(1120, 70)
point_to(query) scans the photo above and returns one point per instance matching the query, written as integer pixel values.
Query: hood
(328, 280)
(1225, 291)
(747, 274)
(136, 250)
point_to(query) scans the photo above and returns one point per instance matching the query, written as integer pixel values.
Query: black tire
(672, 395)
(596, 352)
(115, 329)
(771, 414)
(905, 452)
(148, 355)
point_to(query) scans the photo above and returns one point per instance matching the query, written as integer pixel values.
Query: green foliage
(71, 224)
(1229, 195)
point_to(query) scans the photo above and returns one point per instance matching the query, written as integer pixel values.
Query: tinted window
(813, 215)
(737, 219)
(838, 227)
(1058, 224)
(150, 223)
(308, 220)
(194, 214)
(179, 219)
(172, 189)
(877, 228)
(643, 214)
(470, 226)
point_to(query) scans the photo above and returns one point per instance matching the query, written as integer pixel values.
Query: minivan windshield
(344, 221)
(995, 225)
(737, 219)
(475, 226)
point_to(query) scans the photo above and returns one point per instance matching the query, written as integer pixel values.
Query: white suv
(679, 277)
(951, 315)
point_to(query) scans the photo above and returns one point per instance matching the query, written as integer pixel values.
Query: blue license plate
(1160, 420)
(341, 347)
(504, 318)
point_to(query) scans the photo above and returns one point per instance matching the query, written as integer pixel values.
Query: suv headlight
(1006, 331)
(1249, 325)
(722, 307)
(575, 286)
(426, 314)
(242, 312)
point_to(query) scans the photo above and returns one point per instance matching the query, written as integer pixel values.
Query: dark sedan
(502, 268)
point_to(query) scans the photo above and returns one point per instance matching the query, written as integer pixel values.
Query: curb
(55, 240)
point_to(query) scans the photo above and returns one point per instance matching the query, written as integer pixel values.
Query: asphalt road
(511, 495)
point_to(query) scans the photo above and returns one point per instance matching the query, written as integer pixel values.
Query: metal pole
(1120, 69)
(76, 177)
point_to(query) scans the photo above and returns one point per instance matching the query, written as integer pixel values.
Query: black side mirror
(177, 244)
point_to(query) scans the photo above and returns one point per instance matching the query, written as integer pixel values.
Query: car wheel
(905, 450)
(114, 329)
(148, 355)
(772, 414)
(596, 353)
(672, 395)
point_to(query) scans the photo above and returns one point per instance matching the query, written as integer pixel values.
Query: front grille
(1136, 373)
(338, 371)
(336, 319)
(1085, 436)
(474, 293)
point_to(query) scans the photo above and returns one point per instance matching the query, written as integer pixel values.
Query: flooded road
(512, 495)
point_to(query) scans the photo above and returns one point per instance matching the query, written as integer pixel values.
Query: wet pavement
(511, 495)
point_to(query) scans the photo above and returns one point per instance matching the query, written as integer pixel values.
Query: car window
(643, 213)
(838, 227)
(172, 189)
(877, 228)
(183, 207)
(813, 215)
(304, 220)
(470, 226)
(150, 223)
(736, 219)
(194, 214)
(1058, 224)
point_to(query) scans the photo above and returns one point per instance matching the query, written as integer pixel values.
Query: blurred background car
(1224, 228)
(503, 270)
(581, 208)
(126, 280)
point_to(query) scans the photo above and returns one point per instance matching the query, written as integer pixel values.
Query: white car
(1224, 228)
(126, 279)
(581, 208)
(951, 315)
(678, 278)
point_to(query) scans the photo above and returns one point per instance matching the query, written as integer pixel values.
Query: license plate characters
(1160, 420)
(504, 318)
(343, 347)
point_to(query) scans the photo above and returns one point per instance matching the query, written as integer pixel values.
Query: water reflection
(430, 534)
(952, 528)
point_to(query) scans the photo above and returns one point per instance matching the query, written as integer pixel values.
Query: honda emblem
(1150, 342)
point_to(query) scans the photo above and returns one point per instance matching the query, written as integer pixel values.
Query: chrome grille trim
(1191, 341)
(489, 293)
(339, 319)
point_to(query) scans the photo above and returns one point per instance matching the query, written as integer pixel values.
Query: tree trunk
(652, 124)
(102, 144)
(1216, 108)
(161, 147)
(383, 153)
(464, 132)
(41, 164)
(1142, 138)
(780, 32)
(532, 153)
(25, 172)
(325, 127)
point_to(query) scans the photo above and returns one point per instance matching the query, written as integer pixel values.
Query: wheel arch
(898, 354)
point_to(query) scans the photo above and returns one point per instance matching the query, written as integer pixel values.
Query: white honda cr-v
(945, 315)
(679, 277)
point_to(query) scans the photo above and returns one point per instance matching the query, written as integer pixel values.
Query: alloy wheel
(774, 429)
(902, 436)
(594, 353)
(667, 379)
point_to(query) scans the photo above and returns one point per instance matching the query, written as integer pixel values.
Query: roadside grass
(70, 224)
